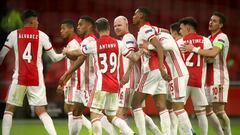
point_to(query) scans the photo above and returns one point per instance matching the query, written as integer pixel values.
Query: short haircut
(89, 20)
(221, 16)
(102, 24)
(28, 14)
(146, 13)
(69, 22)
(189, 21)
(175, 27)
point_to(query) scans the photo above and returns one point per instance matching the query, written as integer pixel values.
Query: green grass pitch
(35, 127)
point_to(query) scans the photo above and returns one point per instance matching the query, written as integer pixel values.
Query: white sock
(152, 126)
(76, 125)
(165, 122)
(7, 123)
(214, 121)
(174, 122)
(139, 121)
(70, 121)
(126, 120)
(48, 123)
(121, 124)
(96, 126)
(107, 126)
(183, 121)
(202, 122)
(86, 122)
(225, 123)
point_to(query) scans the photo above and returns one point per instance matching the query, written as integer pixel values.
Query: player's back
(28, 46)
(195, 62)
(108, 61)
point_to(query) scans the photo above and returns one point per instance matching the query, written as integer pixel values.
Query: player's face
(184, 29)
(120, 27)
(65, 31)
(82, 27)
(214, 24)
(136, 17)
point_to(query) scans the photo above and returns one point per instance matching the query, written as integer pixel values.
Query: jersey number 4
(112, 61)
(27, 53)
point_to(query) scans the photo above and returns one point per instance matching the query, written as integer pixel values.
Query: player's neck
(141, 23)
(215, 32)
(104, 33)
(28, 25)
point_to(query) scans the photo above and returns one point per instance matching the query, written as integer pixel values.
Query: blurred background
(164, 13)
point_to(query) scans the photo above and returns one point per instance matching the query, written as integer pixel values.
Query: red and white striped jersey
(73, 43)
(130, 42)
(173, 57)
(217, 71)
(180, 44)
(106, 52)
(148, 62)
(195, 62)
(86, 73)
(28, 44)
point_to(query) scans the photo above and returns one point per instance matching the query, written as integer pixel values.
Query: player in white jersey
(86, 79)
(28, 43)
(197, 70)
(153, 72)
(73, 42)
(127, 90)
(217, 83)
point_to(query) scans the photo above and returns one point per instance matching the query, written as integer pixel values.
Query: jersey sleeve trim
(7, 47)
(84, 53)
(128, 52)
(49, 49)
(150, 37)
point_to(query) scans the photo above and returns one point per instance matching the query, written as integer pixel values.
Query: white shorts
(36, 94)
(152, 83)
(125, 97)
(177, 88)
(217, 93)
(68, 95)
(81, 96)
(102, 100)
(198, 96)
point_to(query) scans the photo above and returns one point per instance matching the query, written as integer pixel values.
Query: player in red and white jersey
(106, 51)
(217, 81)
(28, 43)
(197, 70)
(153, 72)
(127, 90)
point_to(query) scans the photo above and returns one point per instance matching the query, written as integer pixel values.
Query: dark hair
(175, 27)
(102, 24)
(189, 21)
(29, 13)
(89, 20)
(69, 22)
(146, 13)
(221, 16)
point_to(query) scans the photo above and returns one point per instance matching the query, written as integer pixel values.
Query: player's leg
(37, 98)
(122, 113)
(107, 126)
(96, 123)
(77, 121)
(151, 125)
(15, 98)
(68, 108)
(173, 118)
(138, 113)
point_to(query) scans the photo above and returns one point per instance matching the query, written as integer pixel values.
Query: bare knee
(78, 109)
(9, 108)
(39, 110)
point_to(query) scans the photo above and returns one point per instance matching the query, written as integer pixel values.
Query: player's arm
(159, 49)
(126, 76)
(3, 53)
(73, 54)
(54, 56)
(135, 56)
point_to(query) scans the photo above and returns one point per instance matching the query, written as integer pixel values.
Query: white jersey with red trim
(173, 58)
(218, 72)
(73, 43)
(195, 62)
(130, 42)
(180, 44)
(148, 62)
(86, 74)
(107, 52)
(28, 44)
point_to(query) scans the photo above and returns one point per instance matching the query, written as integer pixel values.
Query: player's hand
(164, 74)
(60, 89)
(124, 79)
(65, 50)
(144, 45)
(188, 47)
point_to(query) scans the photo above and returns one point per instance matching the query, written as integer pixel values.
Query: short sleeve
(148, 32)
(129, 41)
(220, 41)
(89, 48)
(207, 43)
(73, 44)
(125, 51)
(44, 41)
(11, 38)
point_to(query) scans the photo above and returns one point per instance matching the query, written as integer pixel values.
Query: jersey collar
(212, 37)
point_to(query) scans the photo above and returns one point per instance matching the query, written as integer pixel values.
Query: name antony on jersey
(30, 36)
